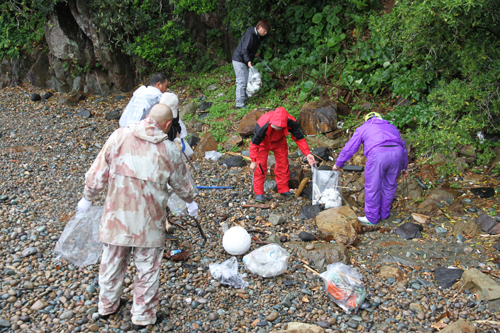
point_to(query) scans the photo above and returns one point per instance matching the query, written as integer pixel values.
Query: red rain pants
(281, 172)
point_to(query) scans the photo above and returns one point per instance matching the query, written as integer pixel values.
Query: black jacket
(248, 46)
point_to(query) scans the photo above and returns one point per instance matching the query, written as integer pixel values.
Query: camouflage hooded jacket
(136, 163)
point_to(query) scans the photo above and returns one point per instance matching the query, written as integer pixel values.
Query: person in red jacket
(270, 134)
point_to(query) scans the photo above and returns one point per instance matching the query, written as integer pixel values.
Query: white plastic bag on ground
(227, 273)
(212, 155)
(79, 242)
(344, 286)
(268, 260)
(254, 81)
(326, 188)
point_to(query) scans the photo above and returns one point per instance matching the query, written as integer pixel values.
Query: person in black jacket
(243, 57)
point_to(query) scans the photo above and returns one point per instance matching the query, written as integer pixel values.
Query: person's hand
(253, 165)
(310, 159)
(404, 174)
(192, 209)
(335, 167)
(249, 64)
(256, 54)
(178, 143)
(84, 205)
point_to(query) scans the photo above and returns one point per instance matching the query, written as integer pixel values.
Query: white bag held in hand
(79, 242)
(227, 273)
(268, 260)
(326, 188)
(176, 205)
(254, 81)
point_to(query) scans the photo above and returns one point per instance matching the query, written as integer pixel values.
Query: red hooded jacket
(265, 133)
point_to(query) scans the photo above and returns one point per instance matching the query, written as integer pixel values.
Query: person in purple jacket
(386, 158)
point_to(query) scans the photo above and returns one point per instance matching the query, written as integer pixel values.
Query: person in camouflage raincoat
(136, 163)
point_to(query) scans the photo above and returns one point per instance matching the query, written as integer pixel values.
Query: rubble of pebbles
(45, 152)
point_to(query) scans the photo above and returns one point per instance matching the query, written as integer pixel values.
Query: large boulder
(14, 70)
(322, 254)
(442, 193)
(207, 143)
(318, 117)
(480, 284)
(232, 142)
(187, 110)
(247, 124)
(465, 228)
(488, 224)
(339, 224)
(65, 39)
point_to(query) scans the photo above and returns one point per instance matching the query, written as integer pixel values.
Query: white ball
(236, 241)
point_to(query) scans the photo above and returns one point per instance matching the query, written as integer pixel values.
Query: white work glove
(84, 205)
(192, 209)
(178, 143)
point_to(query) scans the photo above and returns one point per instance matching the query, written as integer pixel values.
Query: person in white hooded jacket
(144, 99)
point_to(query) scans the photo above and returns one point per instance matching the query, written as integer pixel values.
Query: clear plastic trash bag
(343, 285)
(227, 273)
(268, 260)
(254, 82)
(176, 205)
(326, 188)
(79, 242)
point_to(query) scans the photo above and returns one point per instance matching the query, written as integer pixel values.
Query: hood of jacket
(148, 130)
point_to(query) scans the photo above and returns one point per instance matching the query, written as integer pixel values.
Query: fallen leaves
(420, 218)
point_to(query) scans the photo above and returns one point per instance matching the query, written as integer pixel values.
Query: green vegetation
(440, 59)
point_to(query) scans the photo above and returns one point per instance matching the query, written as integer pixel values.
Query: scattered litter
(212, 155)
(254, 81)
(267, 261)
(183, 255)
(236, 241)
(79, 242)
(344, 286)
(227, 273)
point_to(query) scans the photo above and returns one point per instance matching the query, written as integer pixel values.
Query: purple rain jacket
(373, 133)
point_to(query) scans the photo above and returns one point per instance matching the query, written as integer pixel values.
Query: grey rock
(29, 251)
(83, 113)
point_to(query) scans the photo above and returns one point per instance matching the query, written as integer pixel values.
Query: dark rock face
(447, 277)
(318, 117)
(233, 162)
(409, 231)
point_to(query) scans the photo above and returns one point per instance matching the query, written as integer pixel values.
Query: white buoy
(236, 241)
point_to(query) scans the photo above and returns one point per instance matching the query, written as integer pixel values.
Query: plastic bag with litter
(212, 155)
(227, 273)
(326, 188)
(268, 260)
(176, 205)
(254, 81)
(79, 242)
(343, 285)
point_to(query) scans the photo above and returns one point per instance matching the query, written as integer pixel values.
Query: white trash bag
(254, 81)
(326, 188)
(79, 242)
(267, 261)
(212, 155)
